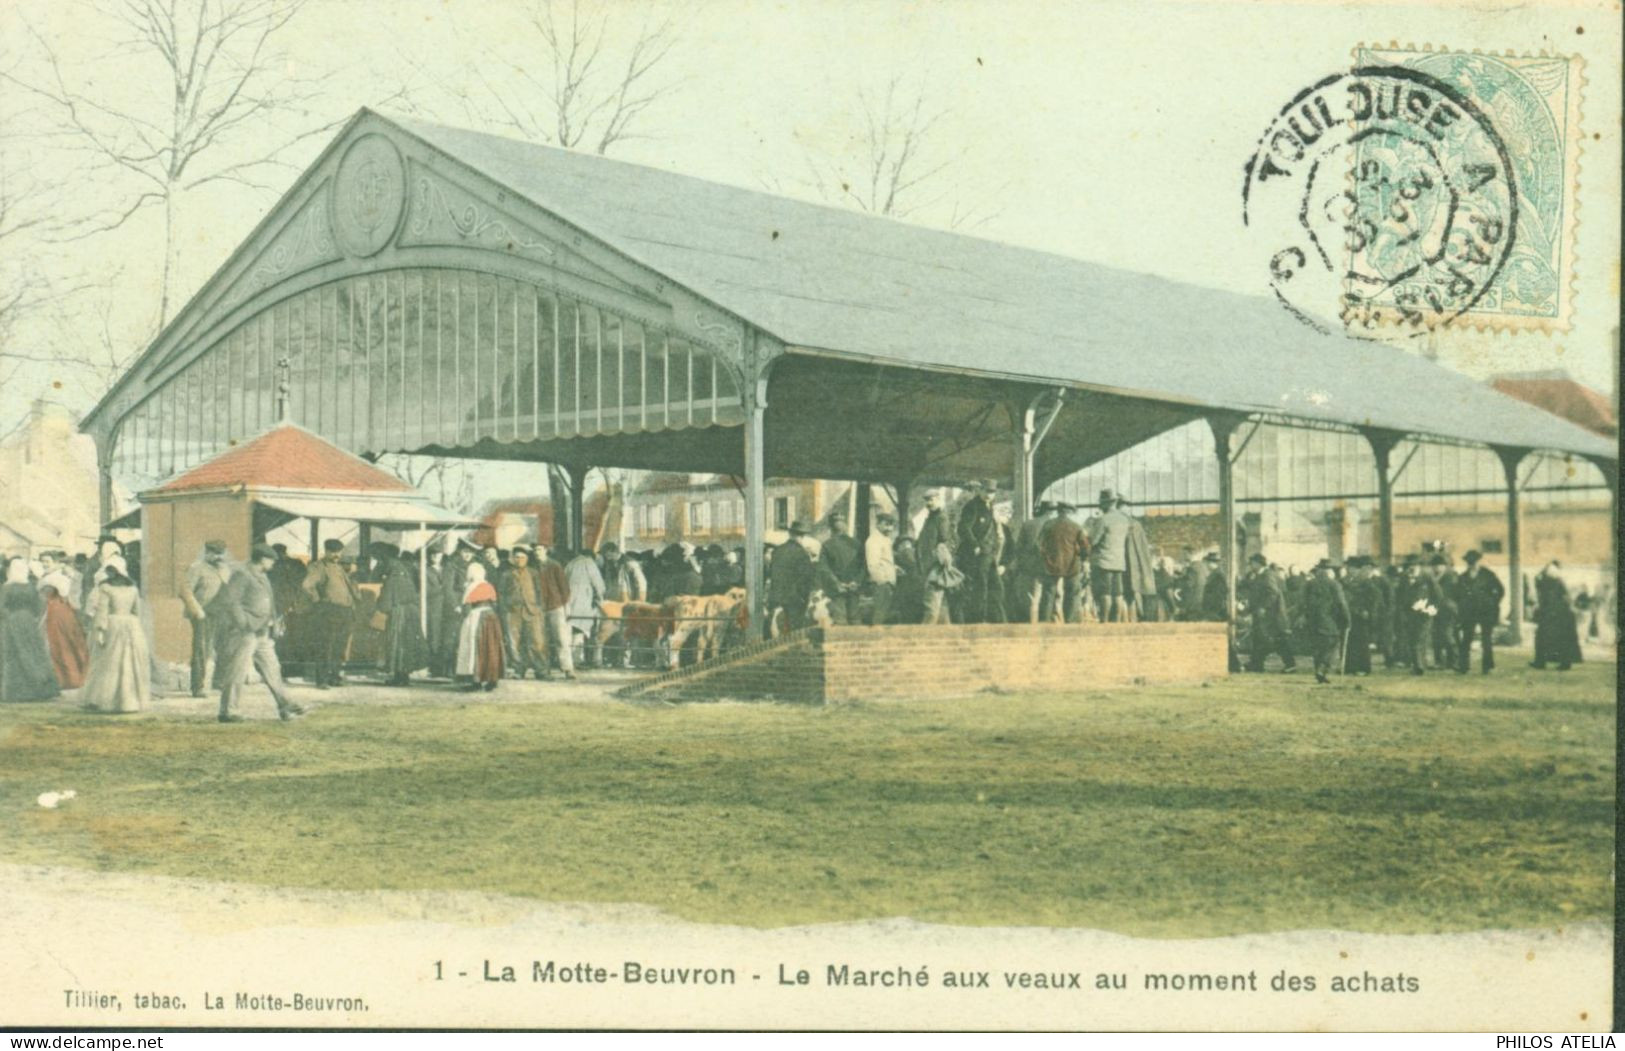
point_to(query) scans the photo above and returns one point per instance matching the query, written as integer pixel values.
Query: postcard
(575, 514)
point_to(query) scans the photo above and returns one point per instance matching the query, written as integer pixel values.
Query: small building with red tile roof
(285, 474)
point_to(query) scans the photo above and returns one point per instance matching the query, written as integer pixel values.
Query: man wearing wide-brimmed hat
(1326, 618)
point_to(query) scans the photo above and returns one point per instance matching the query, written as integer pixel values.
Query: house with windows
(710, 508)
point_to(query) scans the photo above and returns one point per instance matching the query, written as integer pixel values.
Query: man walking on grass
(249, 606)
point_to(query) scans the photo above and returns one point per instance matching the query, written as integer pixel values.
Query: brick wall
(919, 661)
(914, 661)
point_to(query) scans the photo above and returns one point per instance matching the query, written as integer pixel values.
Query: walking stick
(1343, 662)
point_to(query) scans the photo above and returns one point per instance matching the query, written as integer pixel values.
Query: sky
(1114, 132)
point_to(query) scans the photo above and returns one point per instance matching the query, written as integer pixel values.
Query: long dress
(479, 639)
(1557, 637)
(404, 649)
(70, 654)
(120, 678)
(25, 661)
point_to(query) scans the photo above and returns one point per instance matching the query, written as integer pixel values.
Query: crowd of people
(480, 614)
(74, 624)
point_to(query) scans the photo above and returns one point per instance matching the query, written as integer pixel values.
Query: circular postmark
(1380, 201)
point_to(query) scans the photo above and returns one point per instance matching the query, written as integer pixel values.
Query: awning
(384, 511)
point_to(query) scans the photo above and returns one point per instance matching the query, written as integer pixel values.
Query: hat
(262, 551)
(973, 486)
(990, 485)
(332, 545)
(611, 548)
(800, 528)
(1412, 560)
(215, 547)
(1211, 556)
(1438, 560)
(1063, 507)
(1324, 563)
(1044, 507)
(1257, 560)
(1108, 496)
(1472, 557)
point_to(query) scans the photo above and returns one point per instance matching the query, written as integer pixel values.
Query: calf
(640, 625)
(702, 618)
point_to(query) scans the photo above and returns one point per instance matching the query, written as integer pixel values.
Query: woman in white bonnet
(26, 673)
(120, 678)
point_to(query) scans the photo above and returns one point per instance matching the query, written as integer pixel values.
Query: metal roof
(844, 283)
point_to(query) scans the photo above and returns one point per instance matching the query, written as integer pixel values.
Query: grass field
(1257, 804)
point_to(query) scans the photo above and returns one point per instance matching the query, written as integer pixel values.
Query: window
(1490, 547)
(731, 514)
(784, 511)
(657, 519)
(699, 517)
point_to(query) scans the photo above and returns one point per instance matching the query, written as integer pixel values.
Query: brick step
(732, 661)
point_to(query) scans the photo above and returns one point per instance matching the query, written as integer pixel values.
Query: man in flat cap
(843, 560)
(1478, 607)
(205, 580)
(333, 590)
(1065, 553)
(981, 542)
(1326, 618)
(249, 606)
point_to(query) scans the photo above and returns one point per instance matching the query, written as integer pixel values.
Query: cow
(640, 626)
(702, 618)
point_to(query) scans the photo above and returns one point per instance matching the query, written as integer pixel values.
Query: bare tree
(592, 84)
(590, 89)
(216, 77)
(894, 162)
(449, 479)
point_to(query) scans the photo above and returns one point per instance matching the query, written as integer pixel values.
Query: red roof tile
(288, 457)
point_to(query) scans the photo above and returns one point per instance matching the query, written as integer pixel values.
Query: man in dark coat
(405, 650)
(333, 590)
(1266, 601)
(791, 580)
(1064, 551)
(1216, 605)
(1365, 609)
(1478, 610)
(842, 559)
(1192, 583)
(1027, 598)
(981, 542)
(1326, 618)
(439, 597)
(1388, 634)
(1446, 644)
(1417, 599)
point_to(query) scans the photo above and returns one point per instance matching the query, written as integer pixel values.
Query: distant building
(48, 494)
(1304, 494)
(710, 508)
(530, 521)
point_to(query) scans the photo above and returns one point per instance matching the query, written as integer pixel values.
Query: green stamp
(1534, 105)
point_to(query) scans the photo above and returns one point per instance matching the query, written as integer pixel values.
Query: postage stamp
(1533, 102)
(1422, 189)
